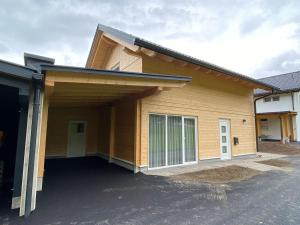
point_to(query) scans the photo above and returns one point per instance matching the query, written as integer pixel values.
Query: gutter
(45, 67)
(293, 103)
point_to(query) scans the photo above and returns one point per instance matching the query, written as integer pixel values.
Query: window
(276, 98)
(267, 99)
(264, 124)
(116, 67)
(172, 140)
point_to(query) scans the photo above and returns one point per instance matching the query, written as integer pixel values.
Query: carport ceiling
(70, 94)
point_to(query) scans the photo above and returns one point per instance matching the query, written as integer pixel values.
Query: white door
(225, 145)
(77, 136)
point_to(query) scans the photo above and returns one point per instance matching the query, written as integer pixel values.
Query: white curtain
(166, 144)
(174, 140)
(189, 140)
(157, 141)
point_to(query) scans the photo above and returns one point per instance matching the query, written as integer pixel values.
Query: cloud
(285, 62)
(244, 36)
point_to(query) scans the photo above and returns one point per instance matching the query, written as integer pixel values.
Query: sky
(252, 37)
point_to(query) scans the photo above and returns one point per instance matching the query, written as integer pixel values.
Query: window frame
(116, 67)
(277, 97)
(265, 99)
(184, 163)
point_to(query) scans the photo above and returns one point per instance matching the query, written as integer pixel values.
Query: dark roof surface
(131, 39)
(16, 70)
(114, 73)
(284, 82)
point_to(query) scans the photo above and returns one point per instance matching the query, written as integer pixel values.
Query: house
(277, 114)
(143, 107)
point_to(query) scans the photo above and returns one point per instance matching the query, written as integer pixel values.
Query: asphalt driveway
(90, 191)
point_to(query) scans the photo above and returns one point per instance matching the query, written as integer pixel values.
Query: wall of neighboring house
(283, 104)
(297, 118)
(287, 102)
(208, 99)
(270, 128)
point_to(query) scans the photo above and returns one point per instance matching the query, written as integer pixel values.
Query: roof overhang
(17, 76)
(16, 70)
(76, 86)
(141, 46)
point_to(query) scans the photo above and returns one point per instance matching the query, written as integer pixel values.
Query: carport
(95, 113)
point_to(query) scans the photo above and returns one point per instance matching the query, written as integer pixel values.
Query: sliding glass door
(172, 140)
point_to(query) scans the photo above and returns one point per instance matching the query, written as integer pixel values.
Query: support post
(33, 147)
(284, 129)
(23, 102)
(292, 128)
(137, 136)
(48, 91)
(42, 145)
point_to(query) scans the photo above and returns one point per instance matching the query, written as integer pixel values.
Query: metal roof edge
(16, 70)
(114, 73)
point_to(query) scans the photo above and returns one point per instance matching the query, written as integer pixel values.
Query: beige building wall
(207, 98)
(58, 124)
(124, 131)
(104, 130)
(126, 61)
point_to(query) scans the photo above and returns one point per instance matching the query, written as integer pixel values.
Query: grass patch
(276, 162)
(220, 175)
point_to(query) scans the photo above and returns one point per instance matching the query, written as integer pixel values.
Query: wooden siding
(58, 124)
(207, 98)
(124, 131)
(128, 62)
(104, 129)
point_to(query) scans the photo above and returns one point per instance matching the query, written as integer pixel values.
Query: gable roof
(284, 82)
(134, 40)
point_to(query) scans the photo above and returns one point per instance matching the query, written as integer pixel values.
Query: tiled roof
(285, 82)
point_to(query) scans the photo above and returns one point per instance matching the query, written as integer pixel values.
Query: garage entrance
(9, 119)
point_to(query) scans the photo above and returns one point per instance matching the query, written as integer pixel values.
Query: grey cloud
(3, 48)
(286, 62)
(40, 26)
(251, 24)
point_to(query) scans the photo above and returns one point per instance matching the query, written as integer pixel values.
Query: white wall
(284, 104)
(297, 119)
(272, 130)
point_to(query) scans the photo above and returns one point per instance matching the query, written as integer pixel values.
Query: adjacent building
(277, 114)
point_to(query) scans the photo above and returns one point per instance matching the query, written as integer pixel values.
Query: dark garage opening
(9, 119)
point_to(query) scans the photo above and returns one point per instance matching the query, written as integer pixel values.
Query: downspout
(293, 103)
(37, 83)
(255, 117)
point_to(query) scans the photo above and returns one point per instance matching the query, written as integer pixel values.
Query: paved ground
(246, 161)
(89, 191)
